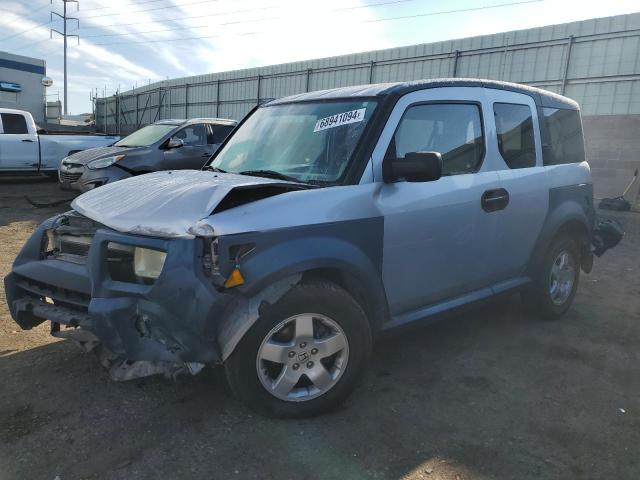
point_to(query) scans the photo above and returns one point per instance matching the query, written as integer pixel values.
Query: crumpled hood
(163, 204)
(85, 156)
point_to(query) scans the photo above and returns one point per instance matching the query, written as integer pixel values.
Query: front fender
(277, 260)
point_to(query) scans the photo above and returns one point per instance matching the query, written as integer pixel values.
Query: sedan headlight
(148, 263)
(104, 162)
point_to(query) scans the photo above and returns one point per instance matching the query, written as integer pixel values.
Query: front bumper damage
(161, 326)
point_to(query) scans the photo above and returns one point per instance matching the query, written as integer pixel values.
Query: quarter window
(14, 123)
(566, 143)
(452, 129)
(514, 127)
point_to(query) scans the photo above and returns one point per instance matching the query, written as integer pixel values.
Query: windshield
(307, 142)
(145, 136)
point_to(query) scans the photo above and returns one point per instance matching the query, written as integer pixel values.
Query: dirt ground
(492, 393)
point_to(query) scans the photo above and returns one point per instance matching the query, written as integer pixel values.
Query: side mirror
(175, 143)
(414, 167)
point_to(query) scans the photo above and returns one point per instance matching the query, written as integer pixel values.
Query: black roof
(543, 98)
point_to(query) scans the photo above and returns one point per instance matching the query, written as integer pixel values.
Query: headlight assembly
(148, 263)
(104, 162)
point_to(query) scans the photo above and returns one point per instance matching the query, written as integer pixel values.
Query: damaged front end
(95, 288)
(137, 273)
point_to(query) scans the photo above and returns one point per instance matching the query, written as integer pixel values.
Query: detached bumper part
(120, 369)
(607, 234)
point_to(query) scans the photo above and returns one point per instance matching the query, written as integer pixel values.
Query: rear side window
(14, 123)
(565, 141)
(514, 127)
(218, 133)
(452, 129)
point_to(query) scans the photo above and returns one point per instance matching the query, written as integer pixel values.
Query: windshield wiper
(211, 168)
(270, 174)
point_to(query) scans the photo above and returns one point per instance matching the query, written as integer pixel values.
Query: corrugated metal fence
(596, 62)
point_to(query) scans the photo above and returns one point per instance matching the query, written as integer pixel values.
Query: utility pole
(64, 34)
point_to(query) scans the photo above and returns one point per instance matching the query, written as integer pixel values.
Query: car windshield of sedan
(145, 136)
(310, 142)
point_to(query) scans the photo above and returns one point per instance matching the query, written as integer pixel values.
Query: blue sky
(129, 42)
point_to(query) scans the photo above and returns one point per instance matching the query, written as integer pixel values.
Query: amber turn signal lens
(234, 279)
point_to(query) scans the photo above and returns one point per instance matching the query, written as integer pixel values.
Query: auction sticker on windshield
(353, 116)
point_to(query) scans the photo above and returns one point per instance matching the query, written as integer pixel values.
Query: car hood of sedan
(86, 156)
(169, 204)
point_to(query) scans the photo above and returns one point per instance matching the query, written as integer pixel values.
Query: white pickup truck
(23, 148)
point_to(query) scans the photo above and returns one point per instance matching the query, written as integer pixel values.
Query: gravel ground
(492, 393)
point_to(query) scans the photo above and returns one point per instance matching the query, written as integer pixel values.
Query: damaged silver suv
(323, 220)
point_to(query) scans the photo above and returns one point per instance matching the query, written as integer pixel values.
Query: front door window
(452, 129)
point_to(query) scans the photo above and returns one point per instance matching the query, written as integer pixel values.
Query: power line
(405, 17)
(246, 10)
(462, 10)
(202, 37)
(393, 2)
(179, 39)
(24, 31)
(127, 5)
(31, 44)
(18, 17)
(230, 12)
(149, 9)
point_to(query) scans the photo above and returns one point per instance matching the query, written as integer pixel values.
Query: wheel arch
(372, 298)
(273, 271)
(568, 218)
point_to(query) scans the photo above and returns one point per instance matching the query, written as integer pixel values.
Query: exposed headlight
(148, 263)
(104, 162)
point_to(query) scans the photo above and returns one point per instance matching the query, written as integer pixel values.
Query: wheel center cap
(303, 356)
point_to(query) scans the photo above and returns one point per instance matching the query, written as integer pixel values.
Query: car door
(515, 135)
(436, 234)
(18, 143)
(195, 150)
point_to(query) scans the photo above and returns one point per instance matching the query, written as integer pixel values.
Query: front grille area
(62, 296)
(70, 177)
(72, 245)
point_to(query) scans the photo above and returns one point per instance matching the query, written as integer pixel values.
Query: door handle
(27, 140)
(494, 200)
(206, 155)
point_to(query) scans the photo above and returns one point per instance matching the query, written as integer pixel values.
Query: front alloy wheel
(293, 363)
(302, 357)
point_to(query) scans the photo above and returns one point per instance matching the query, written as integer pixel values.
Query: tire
(541, 298)
(337, 322)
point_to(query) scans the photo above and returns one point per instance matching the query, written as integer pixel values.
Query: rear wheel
(304, 355)
(556, 281)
